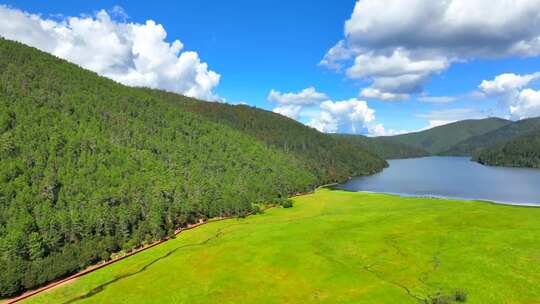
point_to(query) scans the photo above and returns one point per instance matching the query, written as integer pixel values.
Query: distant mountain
(89, 167)
(440, 139)
(491, 141)
(384, 147)
(522, 151)
(495, 137)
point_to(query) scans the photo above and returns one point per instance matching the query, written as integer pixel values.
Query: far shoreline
(453, 178)
(440, 197)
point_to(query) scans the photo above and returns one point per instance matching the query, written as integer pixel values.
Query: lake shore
(452, 178)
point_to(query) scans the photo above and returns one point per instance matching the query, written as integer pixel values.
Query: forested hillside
(495, 137)
(330, 158)
(523, 151)
(440, 139)
(384, 147)
(89, 167)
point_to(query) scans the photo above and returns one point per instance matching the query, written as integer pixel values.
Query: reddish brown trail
(102, 264)
(93, 268)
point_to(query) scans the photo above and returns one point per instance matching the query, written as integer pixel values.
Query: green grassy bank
(334, 247)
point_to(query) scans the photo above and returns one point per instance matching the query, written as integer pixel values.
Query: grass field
(334, 247)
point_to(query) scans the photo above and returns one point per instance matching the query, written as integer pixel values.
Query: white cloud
(131, 53)
(391, 42)
(307, 96)
(325, 122)
(398, 63)
(514, 96)
(119, 12)
(291, 104)
(526, 105)
(380, 130)
(396, 75)
(378, 94)
(506, 83)
(291, 111)
(349, 116)
(337, 53)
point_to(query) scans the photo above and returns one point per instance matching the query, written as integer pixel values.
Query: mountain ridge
(384, 147)
(513, 143)
(495, 137)
(490, 141)
(439, 139)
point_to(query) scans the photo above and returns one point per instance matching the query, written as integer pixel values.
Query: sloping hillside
(89, 167)
(443, 138)
(384, 147)
(496, 137)
(328, 157)
(522, 151)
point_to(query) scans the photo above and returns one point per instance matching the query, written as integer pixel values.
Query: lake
(452, 177)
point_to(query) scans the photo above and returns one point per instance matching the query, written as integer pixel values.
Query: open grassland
(334, 247)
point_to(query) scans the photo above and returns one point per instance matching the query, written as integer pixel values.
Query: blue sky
(259, 46)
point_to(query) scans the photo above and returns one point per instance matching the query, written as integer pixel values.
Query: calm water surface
(453, 177)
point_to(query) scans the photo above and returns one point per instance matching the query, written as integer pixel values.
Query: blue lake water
(452, 177)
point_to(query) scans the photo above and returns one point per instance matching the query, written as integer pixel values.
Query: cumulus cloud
(378, 94)
(351, 116)
(399, 63)
(526, 105)
(396, 75)
(318, 111)
(291, 111)
(506, 83)
(307, 96)
(513, 94)
(348, 116)
(380, 130)
(398, 49)
(291, 104)
(131, 53)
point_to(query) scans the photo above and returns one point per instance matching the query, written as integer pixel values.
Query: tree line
(523, 151)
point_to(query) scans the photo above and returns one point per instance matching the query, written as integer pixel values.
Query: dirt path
(93, 268)
(103, 264)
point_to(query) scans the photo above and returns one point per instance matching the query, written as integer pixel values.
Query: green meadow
(335, 247)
